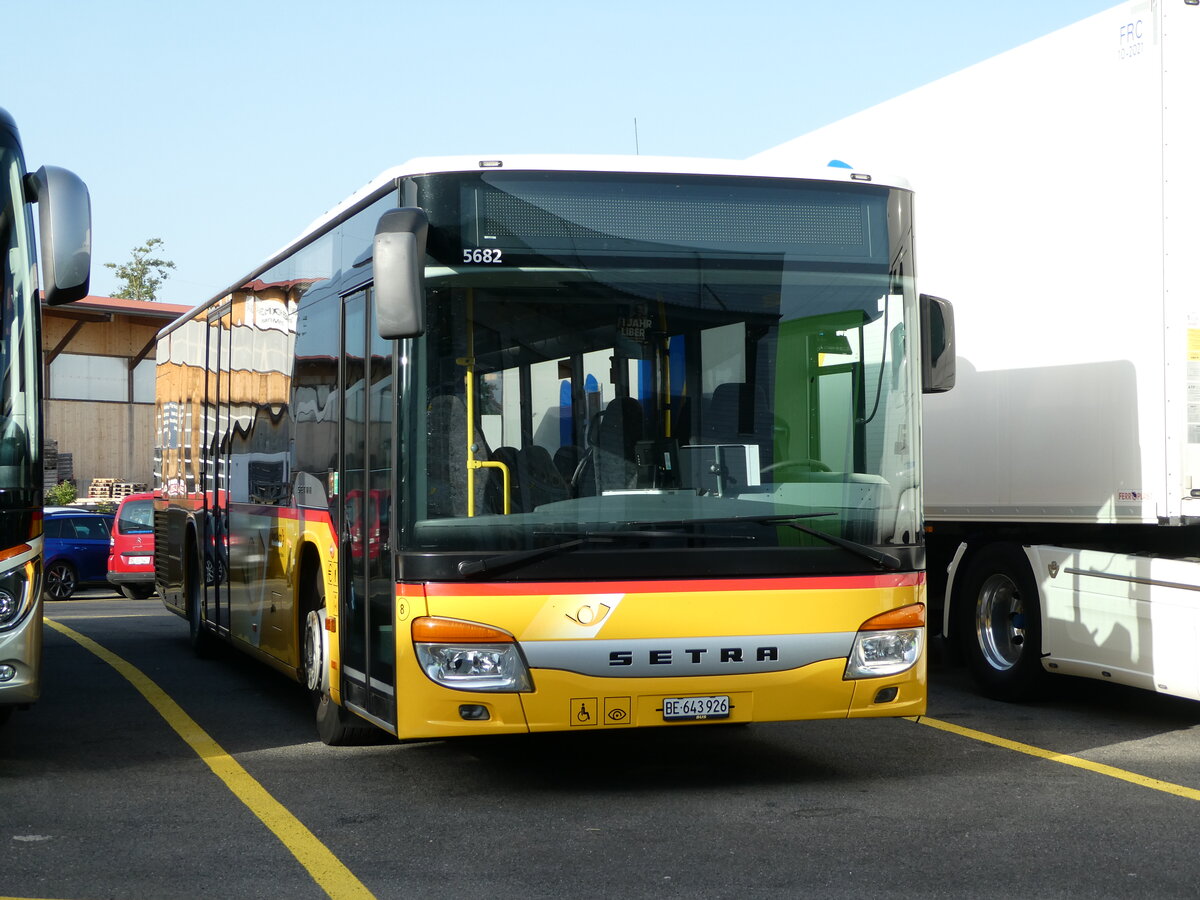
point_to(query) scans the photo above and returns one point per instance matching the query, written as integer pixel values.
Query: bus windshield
(18, 337)
(614, 357)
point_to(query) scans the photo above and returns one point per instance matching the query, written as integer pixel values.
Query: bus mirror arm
(65, 218)
(399, 262)
(938, 351)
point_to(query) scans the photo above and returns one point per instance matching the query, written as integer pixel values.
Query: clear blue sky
(226, 127)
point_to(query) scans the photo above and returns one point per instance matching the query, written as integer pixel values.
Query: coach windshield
(20, 474)
(639, 365)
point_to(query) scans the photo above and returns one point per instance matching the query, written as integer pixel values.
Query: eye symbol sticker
(590, 614)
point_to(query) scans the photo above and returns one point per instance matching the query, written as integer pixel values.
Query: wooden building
(99, 377)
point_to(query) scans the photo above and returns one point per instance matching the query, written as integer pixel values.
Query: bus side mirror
(399, 264)
(65, 220)
(938, 353)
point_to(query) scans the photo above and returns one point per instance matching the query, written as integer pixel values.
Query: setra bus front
(649, 453)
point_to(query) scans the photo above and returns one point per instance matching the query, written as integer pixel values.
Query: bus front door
(217, 420)
(367, 587)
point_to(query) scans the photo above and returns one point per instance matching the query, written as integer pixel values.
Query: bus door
(367, 585)
(215, 516)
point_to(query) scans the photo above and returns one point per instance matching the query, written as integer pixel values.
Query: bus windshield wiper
(880, 557)
(470, 567)
(670, 529)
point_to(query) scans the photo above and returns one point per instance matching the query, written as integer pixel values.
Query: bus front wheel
(336, 726)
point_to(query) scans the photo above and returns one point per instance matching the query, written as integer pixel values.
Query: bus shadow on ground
(669, 757)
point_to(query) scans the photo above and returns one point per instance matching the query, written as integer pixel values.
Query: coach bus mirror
(938, 353)
(399, 260)
(65, 220)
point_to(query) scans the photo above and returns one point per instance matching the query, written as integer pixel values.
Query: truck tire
(1000, 623)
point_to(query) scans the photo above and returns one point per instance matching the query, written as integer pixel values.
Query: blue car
(76, 550)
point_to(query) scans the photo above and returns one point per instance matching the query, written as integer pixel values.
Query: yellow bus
(66, 231)
(563, 443)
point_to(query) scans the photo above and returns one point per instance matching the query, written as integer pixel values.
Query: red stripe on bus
(811, 583)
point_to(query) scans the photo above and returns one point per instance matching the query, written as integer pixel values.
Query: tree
(143, 273)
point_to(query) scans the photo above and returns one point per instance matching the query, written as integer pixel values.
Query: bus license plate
(676, 708)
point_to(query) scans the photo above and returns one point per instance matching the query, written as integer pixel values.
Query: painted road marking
(326, 869)
(86, 617)
(1066, 759)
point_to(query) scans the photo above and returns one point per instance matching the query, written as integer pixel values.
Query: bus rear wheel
(1000, 623)
(202, 641)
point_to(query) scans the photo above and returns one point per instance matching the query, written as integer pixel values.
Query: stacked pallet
(66, 467)
(125, 488)
(101, 488)
(49, 464)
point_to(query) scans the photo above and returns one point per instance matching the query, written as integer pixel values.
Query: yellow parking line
(101, 616)
(1067, 760)
(325, 868)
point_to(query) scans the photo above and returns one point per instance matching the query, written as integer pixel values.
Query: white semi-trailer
(1057, 204)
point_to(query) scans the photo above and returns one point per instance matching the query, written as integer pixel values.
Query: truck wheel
(1000, 623)
(336, 726)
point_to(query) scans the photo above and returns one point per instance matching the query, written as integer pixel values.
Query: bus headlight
(888, 644)
(469, 656)
(17, 590)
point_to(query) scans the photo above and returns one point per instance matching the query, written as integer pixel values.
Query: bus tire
(201, 639)
(336, 726)
(1000, 623)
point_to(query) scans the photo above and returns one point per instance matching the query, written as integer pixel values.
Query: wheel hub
(1000, 622)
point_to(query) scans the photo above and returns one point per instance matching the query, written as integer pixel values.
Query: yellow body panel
(725, 611)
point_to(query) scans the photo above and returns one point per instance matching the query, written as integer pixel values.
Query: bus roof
(558, 162)
(835, 172)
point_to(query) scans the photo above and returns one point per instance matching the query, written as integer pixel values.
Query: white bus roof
(557, 162)
(835, 172)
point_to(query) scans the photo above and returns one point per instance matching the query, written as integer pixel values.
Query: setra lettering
(695, 656)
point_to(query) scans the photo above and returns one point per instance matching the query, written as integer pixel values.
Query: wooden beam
(66, 339)
(145, 352)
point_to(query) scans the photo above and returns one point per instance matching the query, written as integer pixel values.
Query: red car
(131, 551)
